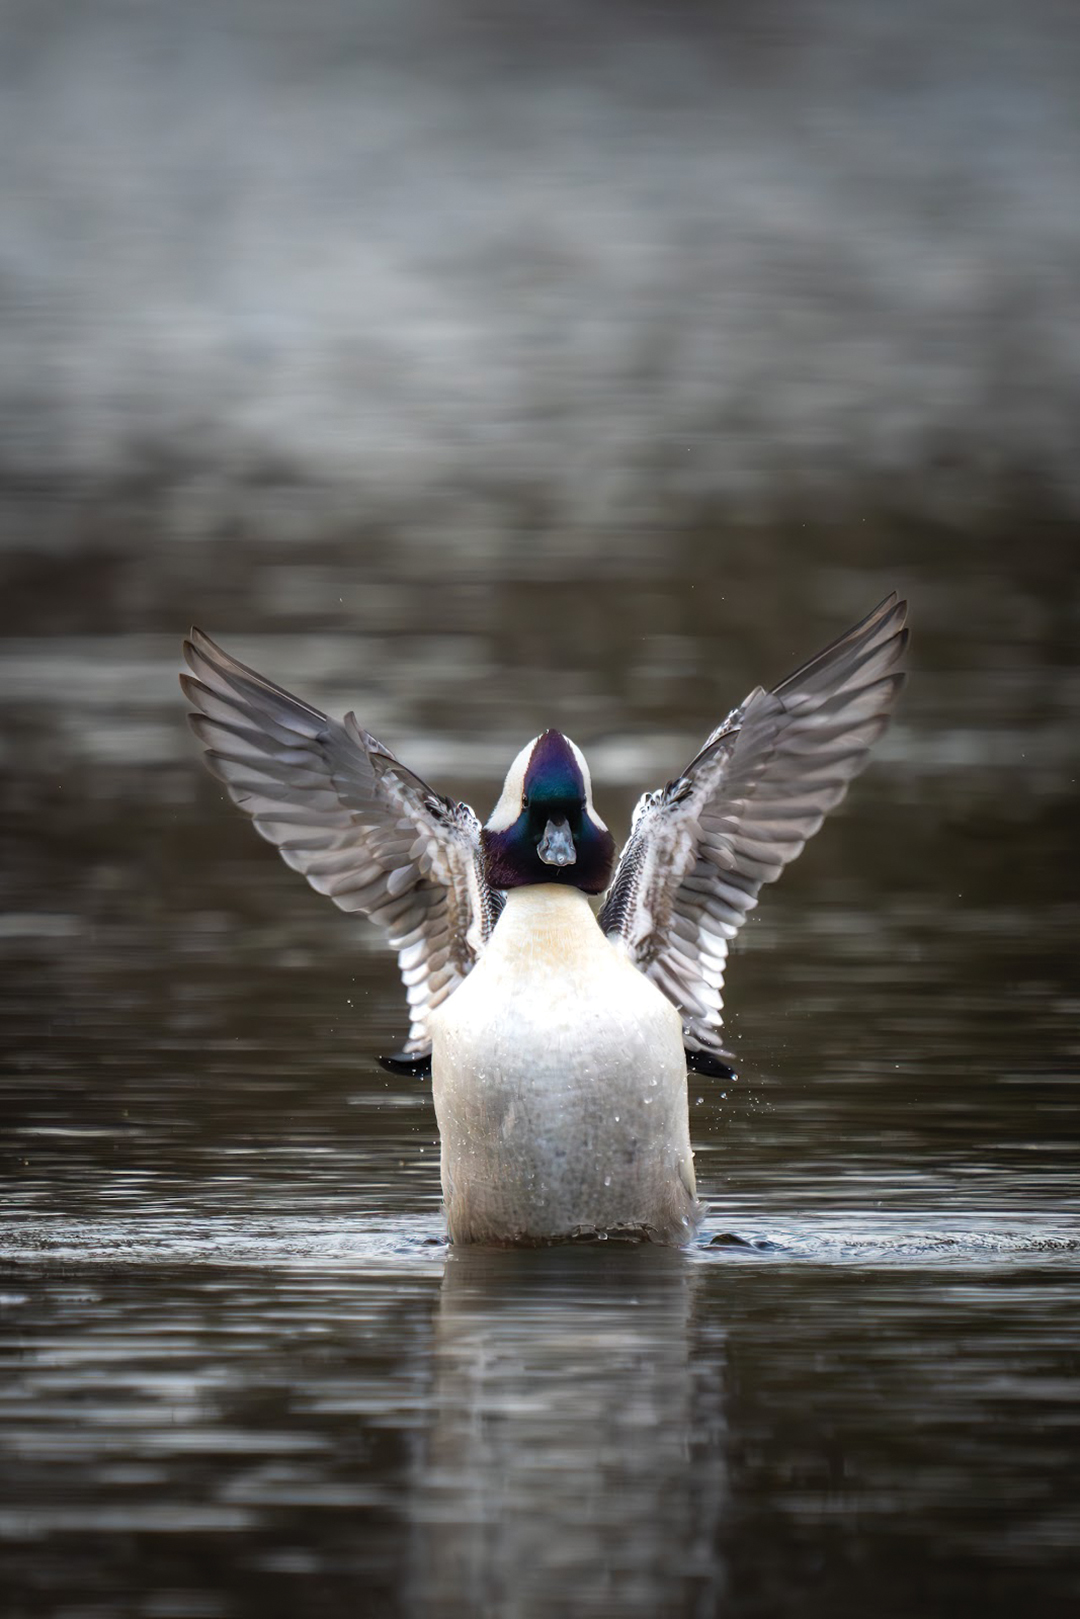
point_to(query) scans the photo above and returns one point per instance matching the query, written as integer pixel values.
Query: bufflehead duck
(558, 1037)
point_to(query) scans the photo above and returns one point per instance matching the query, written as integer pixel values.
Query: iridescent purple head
(544, 828)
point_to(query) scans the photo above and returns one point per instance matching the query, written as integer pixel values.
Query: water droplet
(607, 1180)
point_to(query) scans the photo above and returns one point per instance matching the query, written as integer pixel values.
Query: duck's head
(544, 828)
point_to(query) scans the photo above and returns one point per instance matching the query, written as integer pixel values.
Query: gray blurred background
(503, 287)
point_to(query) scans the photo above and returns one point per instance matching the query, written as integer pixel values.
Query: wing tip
(197, 643)
(711, 1064)
(416, 1064)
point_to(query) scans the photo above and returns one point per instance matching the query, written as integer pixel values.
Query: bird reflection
(575, 1461)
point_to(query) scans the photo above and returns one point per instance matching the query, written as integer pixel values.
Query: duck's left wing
(701, 848)
(361, 827)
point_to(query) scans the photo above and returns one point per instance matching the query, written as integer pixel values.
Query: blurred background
(484, 368)
(493, 290)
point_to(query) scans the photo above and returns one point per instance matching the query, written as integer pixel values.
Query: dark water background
(484, 375)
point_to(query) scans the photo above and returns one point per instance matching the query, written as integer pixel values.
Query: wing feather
(702, 847)
(357, 823)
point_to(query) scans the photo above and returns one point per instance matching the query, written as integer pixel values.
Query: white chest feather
(560, 1086)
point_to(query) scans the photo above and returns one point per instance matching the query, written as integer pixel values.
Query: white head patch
(509, 807)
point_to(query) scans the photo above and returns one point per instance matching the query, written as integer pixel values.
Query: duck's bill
(556, 847)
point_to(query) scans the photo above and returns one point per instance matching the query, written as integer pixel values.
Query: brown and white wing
(358, 824)
(700, 849)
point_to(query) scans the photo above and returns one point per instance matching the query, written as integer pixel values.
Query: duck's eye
(525, 802)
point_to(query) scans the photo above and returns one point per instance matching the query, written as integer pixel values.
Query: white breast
(560, 1086)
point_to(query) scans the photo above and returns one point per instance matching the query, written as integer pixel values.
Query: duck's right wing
(701, 848)
(359, 825)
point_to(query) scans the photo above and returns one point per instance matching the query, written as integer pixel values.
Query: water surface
(241, 1372)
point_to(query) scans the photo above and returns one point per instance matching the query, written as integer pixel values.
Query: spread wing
(700, 849)
(347, 814)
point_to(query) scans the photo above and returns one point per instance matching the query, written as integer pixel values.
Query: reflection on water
(239, 1372)
(572, 1444)
(236, 1421)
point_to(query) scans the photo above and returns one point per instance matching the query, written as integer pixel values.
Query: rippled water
(241, 1373)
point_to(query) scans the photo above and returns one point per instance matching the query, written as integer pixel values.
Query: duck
(559, 991)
